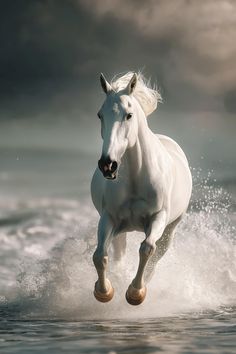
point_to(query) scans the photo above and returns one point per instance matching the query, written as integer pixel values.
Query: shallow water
(210, 332)
(48, 234)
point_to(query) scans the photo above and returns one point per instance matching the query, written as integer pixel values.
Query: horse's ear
(131, 85)
(105, 85)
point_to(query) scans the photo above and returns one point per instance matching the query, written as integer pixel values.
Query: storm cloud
(53, 51)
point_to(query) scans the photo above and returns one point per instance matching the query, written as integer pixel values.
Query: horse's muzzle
(108, 167)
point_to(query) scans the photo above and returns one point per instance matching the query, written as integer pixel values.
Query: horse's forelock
(147, 96)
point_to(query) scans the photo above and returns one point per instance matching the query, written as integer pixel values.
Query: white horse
(150, 193)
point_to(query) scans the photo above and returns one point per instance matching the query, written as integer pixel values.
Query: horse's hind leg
(162, 246)
(158, 235)
(137, 290)
(119, 246)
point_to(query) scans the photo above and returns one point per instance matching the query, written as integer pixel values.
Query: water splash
(55, 241)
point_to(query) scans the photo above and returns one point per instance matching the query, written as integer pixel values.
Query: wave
(47, 270)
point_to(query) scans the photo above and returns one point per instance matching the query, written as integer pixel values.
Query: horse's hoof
(135, 296)
(104, 297)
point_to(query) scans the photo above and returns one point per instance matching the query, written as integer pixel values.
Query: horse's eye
(99, 116)
(129, 115)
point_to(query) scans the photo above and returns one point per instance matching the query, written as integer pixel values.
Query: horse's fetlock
(100, 261)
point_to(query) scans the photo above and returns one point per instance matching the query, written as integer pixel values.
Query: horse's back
(182, 186)
(172, 147)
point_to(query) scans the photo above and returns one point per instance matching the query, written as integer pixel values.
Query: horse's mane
(147, 96)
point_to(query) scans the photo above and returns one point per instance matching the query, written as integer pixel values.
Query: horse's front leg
(103, 290)
(136, 292)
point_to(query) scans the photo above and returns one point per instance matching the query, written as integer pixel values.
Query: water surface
(48, 235)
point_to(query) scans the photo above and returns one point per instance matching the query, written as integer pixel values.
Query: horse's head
(119, 125)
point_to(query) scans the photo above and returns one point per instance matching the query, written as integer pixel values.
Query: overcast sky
(52, 52)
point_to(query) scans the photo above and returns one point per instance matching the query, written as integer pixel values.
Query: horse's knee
(100, 261)
(147, 248)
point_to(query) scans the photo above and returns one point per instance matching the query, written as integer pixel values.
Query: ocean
(48, 235)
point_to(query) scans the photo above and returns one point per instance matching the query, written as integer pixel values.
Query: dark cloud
(199, 34)
(52, 51)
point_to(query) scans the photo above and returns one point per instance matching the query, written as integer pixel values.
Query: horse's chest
(132, 211)
(134, 208)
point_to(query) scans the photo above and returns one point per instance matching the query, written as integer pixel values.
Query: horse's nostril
(107, 166)
(114, 166)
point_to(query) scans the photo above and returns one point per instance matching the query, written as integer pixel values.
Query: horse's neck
(141, 158)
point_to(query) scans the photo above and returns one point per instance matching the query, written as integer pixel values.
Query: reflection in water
(209, 332)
